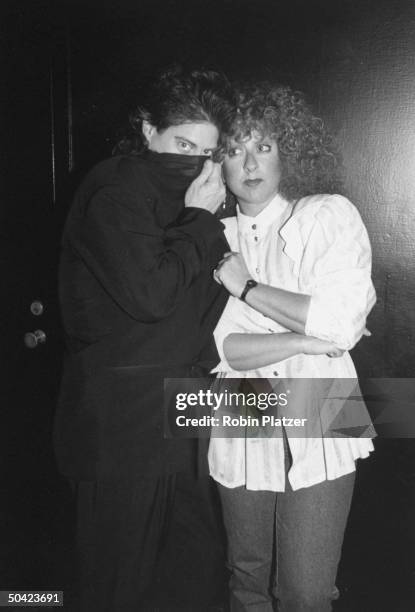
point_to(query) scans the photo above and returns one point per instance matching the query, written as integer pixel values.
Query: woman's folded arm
(252, 351)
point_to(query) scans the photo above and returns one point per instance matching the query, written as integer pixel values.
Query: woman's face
(252, 171)
(185, 139)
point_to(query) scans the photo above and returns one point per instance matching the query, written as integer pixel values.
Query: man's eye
(264, 148)
(185, 146)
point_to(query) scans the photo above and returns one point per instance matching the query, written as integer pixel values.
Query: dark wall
(354, 59)
(368, 94)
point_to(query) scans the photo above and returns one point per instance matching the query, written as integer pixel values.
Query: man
(139, 305)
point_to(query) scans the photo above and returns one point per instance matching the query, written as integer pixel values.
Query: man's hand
(232, 272)
(208, 190)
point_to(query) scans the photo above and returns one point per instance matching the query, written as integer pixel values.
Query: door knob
(33, 339)
(36, 308)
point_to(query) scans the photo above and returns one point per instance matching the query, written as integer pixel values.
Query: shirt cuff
(324, 324)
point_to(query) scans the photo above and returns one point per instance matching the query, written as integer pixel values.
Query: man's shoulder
(121, 179)
(118, 182)
(125, 171)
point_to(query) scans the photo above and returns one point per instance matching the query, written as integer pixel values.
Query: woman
(299, 276)
(139, 304)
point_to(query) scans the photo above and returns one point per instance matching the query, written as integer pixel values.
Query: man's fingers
(216, 173)
(225, 258)
(220, 263)
(205, 173)
(216, 276)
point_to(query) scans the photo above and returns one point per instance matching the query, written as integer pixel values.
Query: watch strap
(250, 284)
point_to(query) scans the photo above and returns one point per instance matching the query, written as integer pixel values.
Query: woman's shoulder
(330, 214)
(324, 201)
(327, 209)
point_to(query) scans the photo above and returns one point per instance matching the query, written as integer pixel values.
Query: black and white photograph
(208, 307)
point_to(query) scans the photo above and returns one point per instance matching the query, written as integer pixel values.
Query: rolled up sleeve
(337, 259)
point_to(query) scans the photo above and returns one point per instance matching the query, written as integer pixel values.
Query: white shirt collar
(261, 224)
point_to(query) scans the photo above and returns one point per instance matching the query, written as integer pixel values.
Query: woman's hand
(207, 190)
(315, 346)
(232, 273)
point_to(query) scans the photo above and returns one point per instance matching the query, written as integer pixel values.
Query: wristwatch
(250, 284)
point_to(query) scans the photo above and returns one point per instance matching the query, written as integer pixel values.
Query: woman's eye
(264, 148)
(233, 151)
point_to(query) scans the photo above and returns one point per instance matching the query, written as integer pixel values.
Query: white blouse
(320, 249)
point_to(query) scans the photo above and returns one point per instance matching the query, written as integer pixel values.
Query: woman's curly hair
(310, 162)
(177, 96)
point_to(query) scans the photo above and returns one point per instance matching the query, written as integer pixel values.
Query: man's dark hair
(178, 97)
(310, 162)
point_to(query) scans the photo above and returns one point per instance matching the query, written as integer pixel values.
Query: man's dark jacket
(139, 304)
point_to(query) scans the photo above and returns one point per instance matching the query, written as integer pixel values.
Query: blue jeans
(285, 544)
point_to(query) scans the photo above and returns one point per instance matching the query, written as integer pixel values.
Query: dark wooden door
(61, 105)
(34, 503)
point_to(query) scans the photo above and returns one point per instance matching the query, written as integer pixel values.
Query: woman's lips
(252, 182)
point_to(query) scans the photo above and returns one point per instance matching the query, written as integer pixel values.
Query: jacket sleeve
(144, 268)
(337, 259)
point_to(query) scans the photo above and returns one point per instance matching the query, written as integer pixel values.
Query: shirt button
(275, 373)
(254, 226)
(256, 238)
(257, 270)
